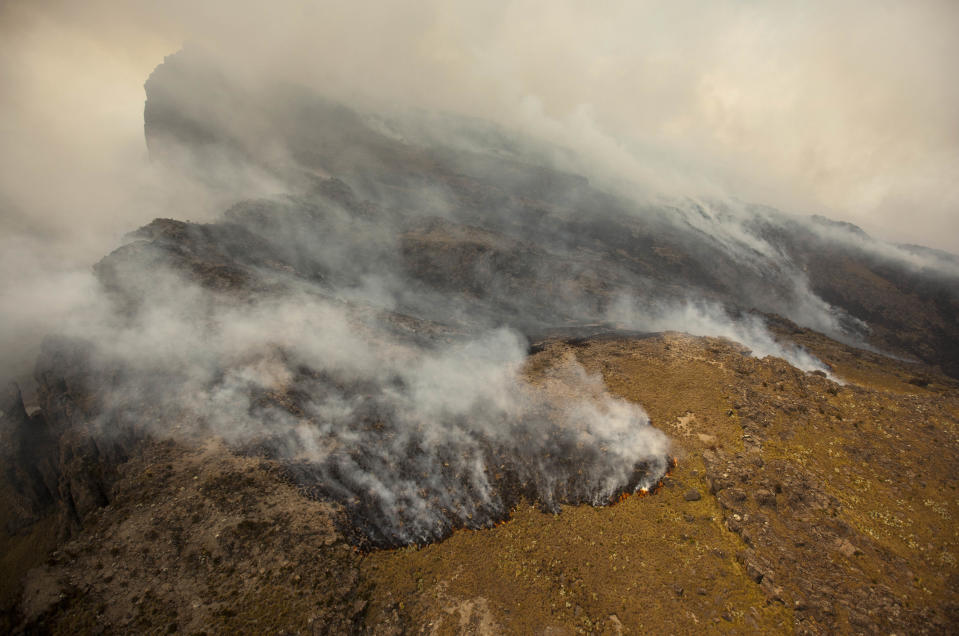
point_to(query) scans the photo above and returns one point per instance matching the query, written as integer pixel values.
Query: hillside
(796, 505)
(436, 379)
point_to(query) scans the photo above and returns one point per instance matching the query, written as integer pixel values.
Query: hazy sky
(843, 108)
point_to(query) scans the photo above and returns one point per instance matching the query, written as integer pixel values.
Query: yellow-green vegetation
(853, 526)
(647, 565)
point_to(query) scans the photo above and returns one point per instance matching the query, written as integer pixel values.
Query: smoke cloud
(414, 440)
(844, 109)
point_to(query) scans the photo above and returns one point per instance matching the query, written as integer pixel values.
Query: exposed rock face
(56, 461)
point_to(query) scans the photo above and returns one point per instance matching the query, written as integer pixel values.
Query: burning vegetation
(401, 482)
(644, 491)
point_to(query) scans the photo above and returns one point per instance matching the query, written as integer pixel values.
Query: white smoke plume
(413, 441)
(701, 318)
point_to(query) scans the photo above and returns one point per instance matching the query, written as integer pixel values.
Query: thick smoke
(841, 108)
(847, 110)
(415, 440)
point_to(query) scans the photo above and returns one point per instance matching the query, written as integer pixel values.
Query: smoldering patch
(413, 438)
(410, 472)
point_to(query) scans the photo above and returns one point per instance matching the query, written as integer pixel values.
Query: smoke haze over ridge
(841, 108)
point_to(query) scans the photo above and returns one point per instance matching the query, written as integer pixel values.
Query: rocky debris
(765, 498)
(706, 439)
(692, 495)
(615, 625)
(847, 549)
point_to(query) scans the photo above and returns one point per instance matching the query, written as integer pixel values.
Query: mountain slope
(429, 379)
(824, 275)
(797, 505)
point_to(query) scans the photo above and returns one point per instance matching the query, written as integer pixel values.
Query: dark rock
(765, 498)
(29, 462)
(692, 495)
(753, 571)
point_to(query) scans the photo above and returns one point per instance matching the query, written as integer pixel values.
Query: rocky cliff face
(31, 480)
(56, 461)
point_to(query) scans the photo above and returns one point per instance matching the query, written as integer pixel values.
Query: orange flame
(643, 492)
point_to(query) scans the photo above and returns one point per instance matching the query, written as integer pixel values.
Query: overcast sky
(843, 108)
